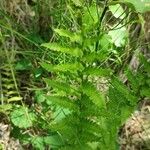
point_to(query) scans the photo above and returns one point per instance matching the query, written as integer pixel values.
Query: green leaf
(62, 86)
(124, 90)
(105, 43)
(68, 50)
(14, 98)
(90, 126)
(38, 142)
(37, 72)
(146, 63)
(64, 102)
(135, 84)
(23, 64)
(145, 91)
(93, 56)
(53, 141)
(60, 113)
(39, 96)
(74, 37)
(22, 118)
(118, 106)
(95, 96)
(117, 11)
(118, 35)
(97, 71)
(6, 107)
(68, 67)
(140, 5)
(90, 17)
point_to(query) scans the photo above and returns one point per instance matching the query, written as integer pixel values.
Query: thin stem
(100, 23)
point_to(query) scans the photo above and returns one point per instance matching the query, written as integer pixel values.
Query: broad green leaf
(60, 86)
(90, 17)
(118, 35)
(39, 142)
(105, 43)
(54, 141)
(64, 102)
(60, 113)
(117, 11)
(74, 37)
(72, 68)
(140, 5)
(97, 71)
(61, 123)
(93, 145)
(22, 118)
(68, 50)
(95, 96)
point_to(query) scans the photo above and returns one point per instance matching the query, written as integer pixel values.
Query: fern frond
(146, 63)
(145, 91)
(68, 50)
(67, 127)
(89, 126)
(119, 86)
(68, 67)
(119, 107)
(61, 86)
(97, 71)
(64, 102)
(90, 90)
(94, 56)
(8, 91)
(90, 109)
(74, 37)
(133, 81)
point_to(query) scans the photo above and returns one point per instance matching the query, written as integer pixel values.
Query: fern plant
(85, 118)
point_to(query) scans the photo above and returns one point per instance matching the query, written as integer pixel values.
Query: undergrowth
(50, 64)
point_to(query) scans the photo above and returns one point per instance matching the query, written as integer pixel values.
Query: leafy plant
(85, 114)
(88, 42)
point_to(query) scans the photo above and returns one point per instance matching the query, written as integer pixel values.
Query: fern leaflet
(68, 67)
(64, 102)
(91, 91)
(68, 50)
